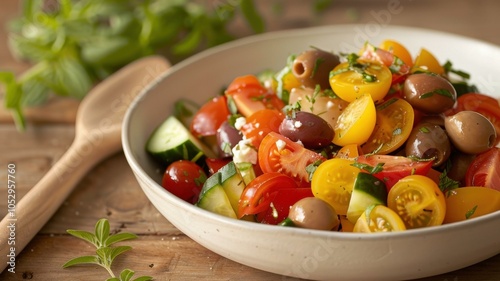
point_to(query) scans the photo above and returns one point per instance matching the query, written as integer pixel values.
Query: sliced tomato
(260, 123)
(379, 218)
(484, 170)
(333, 182)
(259, 193)
(427, 62)
(350, 151)
(481, 103)
(470, 202)
(349, 84)
(356, 123)
(398, 50)
(209, 117)
(280, 203)
(418, 201)
(250, 96)
(393, 126)
(395, 167)
(279, 154)
(386, 56)
(214, 164)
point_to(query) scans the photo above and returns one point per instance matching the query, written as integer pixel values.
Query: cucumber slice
(172, 141)
(246, 170)
(232, 183)
(213, 198)
(367, 191)
(222, 191)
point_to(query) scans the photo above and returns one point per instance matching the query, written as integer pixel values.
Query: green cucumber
(367, 191)
(233, 184)
(213, 198)
(246, 170)
(172, 141)
(222, 191)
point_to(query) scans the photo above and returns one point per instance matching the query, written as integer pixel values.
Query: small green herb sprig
(105, 251)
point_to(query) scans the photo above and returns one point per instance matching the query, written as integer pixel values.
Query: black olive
(308, 128)
(427, 141)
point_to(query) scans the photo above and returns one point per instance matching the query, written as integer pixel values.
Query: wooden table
(110, 190)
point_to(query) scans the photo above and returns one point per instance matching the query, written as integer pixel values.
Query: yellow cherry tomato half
(350, 151)
(372, 78)
(333, 182)
(393, 126)
(418, 201)
(356, 123)
(470, 202)
(426, 61)
(379, 218)
(398, 50)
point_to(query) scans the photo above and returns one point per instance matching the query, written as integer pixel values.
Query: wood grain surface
(110, 190)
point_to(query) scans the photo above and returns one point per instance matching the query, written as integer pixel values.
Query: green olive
(312, 67)
(470, 132)
(314, 213)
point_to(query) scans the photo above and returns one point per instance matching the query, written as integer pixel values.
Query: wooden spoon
(97, 136)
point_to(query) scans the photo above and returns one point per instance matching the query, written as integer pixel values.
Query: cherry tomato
(279, 154)
(386, 57)
(209, 117)
(398, 50)
(356, 123)
(418, 201)
(350, 151)
(395, 167)
(280, 203)
(470, 202)
(350, 84)
(393, 127)
(184, 179)
(259, 193)
(426, 61)
(260, 123)
(214, 164)
(250, 96)
(486, 105)
(485, 170)
(333, 182)
(379, 218)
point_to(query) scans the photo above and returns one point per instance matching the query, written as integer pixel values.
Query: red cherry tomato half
(281, 201)
(485, 170)
(209, 117)
(279, 154)
(257, 195)
(395, 167)
(260, 123)
(184, 179)
(214, 164)
(250, 96)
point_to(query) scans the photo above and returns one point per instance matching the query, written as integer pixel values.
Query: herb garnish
(442, 92)
(105, 252)
(355, 65)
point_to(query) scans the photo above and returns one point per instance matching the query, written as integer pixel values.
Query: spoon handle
(31, 213)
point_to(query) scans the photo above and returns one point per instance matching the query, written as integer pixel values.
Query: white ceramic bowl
(302, 253)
